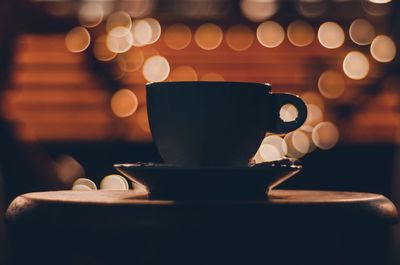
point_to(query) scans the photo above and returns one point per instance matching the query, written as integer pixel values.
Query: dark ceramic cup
(215, 124)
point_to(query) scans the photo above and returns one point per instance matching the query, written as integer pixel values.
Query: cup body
(209, 124)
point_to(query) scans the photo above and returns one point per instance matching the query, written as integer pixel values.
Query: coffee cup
(215, 124)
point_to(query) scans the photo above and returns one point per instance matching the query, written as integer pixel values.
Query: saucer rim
(150, 165)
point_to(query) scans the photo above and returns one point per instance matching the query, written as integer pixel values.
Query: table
(123, 227)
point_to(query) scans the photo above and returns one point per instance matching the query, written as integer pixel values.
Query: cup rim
(177, 84)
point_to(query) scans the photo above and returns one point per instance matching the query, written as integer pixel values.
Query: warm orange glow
(356, 65)
(239, 37)
(183, 73)
(331, 84)
(212, 77)
(177, 36)
(208, 36)
(156, 69)
(114, 182)
(270, 34)
(100, 50)
(259, 10)
(84, 182)
(391, 83)
(383, 49)
(131, 61)
(300, 33)
(325, 135)
(331, 35)
(361, 32)
(124, 103)
(90, 15)
(119, 40)
(77, 39)
(118, 19)
(307, 130)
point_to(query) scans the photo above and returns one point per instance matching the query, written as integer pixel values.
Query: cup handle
(278, 100)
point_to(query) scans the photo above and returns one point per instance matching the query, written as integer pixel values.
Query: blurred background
(73, 75)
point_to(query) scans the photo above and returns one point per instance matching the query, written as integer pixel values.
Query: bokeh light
(145, 31)
(84, 182)
(300, 33)
(325, 135)
(183, 73)
(298, 144)
(119, 40)
(131, 60)
(269, 153)
(331, 35)
(314, 115)
(380, 1)
(101, 51)
(288, 112)
(356, 65)
(331, 84)
(114, 182)
(208, 36)
(124, 103)
(212, 77)
(155, 29)
(313, 98)
(177, 36)
(90, 15)
(239, 37)
(272, 148)
(259, 10)
(270, 34)
(141, 32)
(156, 69)
(311, 8)
(77, 39)
(361, 32)
(118, 19)
(383, 49)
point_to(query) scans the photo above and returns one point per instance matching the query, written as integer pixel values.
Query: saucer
(173, 182)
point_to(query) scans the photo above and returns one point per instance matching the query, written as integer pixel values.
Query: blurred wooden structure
(55, 97)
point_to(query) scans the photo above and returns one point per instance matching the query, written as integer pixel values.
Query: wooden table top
(134, 204)
(136, 197)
